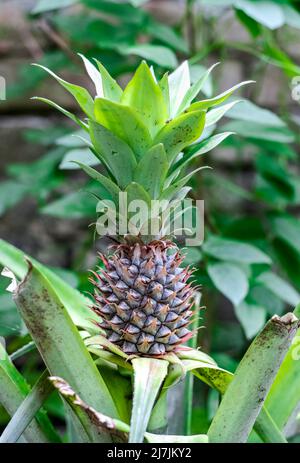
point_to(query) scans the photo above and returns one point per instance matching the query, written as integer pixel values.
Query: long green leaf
(111, 89)
(27, 410)
(164, 86)
(125, 123)
(170, 192)
(75, 303)
(284, 395)
(110, 189)
(145, 95)
(189, 379)
(180, 132)
(80, 94)
(214, 115)
(58, 340)
(148, 377)
(205, 104)
(152, 170)
(65, 112)
(13, 390)
(252, 381)
(117, 156)
(199, 148)
(267, 429)
(195, 89)
(179, 84)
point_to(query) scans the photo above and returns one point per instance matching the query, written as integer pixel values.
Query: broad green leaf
(230, 280)
(164, 86)
(167, 35)
(83, 155)
(80, 94)
(261, 296)
(94, 74)
(248, 111)
(75, 303)
(109, 190)
(43, 5)
(199, 148)
(78, 139)
(214, 115)
(125, 123)
(63, 111)
(99, 428)
(251, 317)
(76, 205)
(158, 54)
(139, 205)
(211, 375)
(59, 341)
(235, 419)
(281, 288)
(148, 377)
(219, 379)
(275, 175)
(160, 439)
(180, 132)
(136, 191)
(260, 132)
(179, 84)
(13, 390)
(267, 13)
(111, 89)
(234, 251)
(193, 91)
(152, 169)
(144, 94)
(116, 155)
(27, 410)
(284, 395)
(287, 229)
(205, 104)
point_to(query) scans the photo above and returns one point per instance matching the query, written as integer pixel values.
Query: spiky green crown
(146, 135)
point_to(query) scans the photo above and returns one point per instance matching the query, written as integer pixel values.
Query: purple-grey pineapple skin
(143, 299)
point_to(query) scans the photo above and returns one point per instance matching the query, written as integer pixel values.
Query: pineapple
(145, 137)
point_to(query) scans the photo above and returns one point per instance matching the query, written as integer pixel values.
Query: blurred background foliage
(249, 265)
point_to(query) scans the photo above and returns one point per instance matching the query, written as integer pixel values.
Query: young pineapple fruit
(145, 137)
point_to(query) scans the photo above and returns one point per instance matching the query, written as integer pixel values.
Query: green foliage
(251, 252)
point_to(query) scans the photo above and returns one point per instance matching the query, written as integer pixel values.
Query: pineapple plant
(145, 138)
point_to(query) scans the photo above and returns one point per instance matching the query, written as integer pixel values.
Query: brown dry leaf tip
(289, 321)
(143, 298)
(102, 421)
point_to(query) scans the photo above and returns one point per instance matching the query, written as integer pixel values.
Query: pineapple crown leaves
(146, 135)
